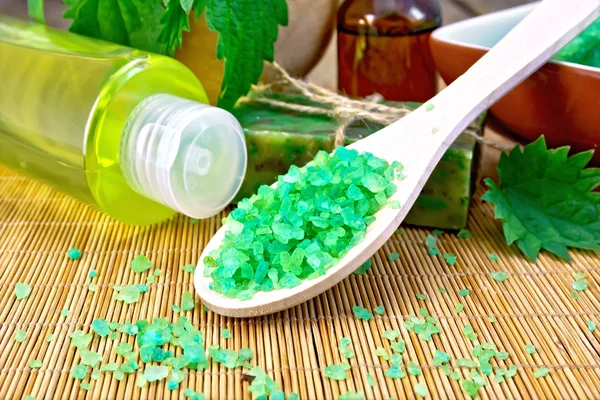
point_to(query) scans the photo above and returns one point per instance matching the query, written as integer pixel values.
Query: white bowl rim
(448, 33)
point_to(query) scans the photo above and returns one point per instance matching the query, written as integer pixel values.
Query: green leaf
(128, 22)
(247, 31)
(174, 22)
(187, 5)
(36, 10)
(546, 200)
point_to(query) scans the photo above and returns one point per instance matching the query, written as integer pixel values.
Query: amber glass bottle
(383, 47)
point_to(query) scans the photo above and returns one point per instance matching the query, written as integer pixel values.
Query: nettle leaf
(247, 31)
(546, 200)
(36, 10)
(128, 22)
(174, 22)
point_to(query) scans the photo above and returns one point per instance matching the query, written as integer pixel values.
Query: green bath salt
(298, 230)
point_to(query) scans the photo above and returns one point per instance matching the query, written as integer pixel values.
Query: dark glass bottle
(383, 47)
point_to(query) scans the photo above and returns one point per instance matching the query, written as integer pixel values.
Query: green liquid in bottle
(64, 103)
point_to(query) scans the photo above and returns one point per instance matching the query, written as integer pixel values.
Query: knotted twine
(339, 108)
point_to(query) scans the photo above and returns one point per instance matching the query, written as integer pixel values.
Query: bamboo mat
(38, 225)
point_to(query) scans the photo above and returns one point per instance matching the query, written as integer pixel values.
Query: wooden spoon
(420, 139)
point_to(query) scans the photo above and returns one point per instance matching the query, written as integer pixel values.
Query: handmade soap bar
(277, 138)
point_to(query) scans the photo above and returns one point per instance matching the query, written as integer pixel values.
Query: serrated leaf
(174, 22)
(128, 22)
(35, 8)
(247, 31)
(186, 5)
(545, 200)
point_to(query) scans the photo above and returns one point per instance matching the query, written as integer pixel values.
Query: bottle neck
(186, 155)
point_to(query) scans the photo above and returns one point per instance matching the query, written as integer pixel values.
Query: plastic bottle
(383, 47)
(126, 130)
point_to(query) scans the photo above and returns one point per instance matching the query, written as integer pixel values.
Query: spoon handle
(540, 35)
(421, 138)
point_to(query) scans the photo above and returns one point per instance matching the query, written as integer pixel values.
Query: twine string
(340, 108)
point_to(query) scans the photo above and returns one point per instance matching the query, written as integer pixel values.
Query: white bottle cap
(186, 155)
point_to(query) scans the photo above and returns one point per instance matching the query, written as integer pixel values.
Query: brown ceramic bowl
(561, 100)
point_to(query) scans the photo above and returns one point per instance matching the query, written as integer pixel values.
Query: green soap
(445, 198)
(277, 139)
